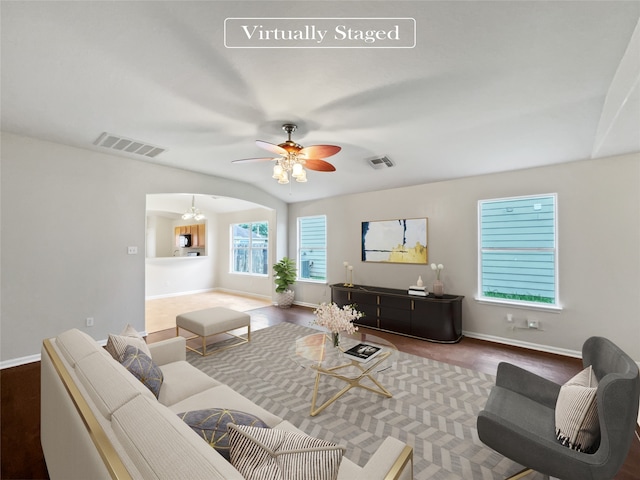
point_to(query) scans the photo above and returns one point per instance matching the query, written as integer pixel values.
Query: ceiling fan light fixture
(297, 170)
(294, 159)
(302, 178)
(284, 178)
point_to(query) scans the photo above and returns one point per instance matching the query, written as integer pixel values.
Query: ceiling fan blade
(319, 151)
(319, 165)
(271, 147)
(248, 160)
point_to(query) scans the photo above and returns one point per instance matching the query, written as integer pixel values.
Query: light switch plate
(132, 250)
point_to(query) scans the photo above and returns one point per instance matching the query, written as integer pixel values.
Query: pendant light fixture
(193, 213)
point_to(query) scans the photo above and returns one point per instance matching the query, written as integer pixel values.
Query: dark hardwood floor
(21, 454)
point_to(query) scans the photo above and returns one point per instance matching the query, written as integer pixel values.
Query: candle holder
(350, 283)
(346, 274)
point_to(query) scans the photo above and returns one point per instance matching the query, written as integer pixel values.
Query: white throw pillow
(272, 454)
(577, 424)
(117, 344)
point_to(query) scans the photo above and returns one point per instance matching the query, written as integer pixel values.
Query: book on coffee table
(363, 352)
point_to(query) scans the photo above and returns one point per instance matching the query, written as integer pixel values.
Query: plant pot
(285, 299)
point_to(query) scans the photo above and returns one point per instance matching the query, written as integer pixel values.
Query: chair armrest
(169, 350)
(393, 460)
(528, 384)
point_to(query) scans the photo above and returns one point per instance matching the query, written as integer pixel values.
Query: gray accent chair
(518, 420)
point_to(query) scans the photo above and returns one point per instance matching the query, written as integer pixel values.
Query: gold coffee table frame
(318, 349)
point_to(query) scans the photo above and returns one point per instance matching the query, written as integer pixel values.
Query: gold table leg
(203, 348)
(351, 382)
(521, 474)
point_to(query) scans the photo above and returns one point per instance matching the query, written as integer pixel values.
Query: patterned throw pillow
(211, 425)
(117, 344)
(577, 425)
(143, 368)
(272, 454)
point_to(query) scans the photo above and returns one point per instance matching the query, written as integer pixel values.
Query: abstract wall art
(395, 241)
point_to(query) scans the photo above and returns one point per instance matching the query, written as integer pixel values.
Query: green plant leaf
(285, 274)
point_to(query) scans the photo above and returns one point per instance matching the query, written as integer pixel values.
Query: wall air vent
(380, 162)
(122, 144)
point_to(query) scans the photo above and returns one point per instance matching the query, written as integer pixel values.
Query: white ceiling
(490, 86)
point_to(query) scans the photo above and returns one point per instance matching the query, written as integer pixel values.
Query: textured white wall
(599, 253)
(68, 216)
(166, 275)
(178, 275)
(66, 258)
(262, 286)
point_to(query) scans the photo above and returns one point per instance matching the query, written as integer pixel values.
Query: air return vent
(380, 162)
(122, 144)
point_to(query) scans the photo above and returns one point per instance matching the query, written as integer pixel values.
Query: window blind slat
(312, 247)
(517, 249)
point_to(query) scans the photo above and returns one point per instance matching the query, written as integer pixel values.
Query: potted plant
(285, 271)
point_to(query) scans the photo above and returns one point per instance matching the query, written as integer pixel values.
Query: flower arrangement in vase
(438, 287)
(337, 319)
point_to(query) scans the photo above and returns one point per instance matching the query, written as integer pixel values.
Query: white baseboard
(243, 294)
(179, 294)
(16, 362)
(529, 345)
(304, 304)
(207, 290)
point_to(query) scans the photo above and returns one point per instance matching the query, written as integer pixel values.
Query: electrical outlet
(89, 321)
(132, 250)
(510, 317)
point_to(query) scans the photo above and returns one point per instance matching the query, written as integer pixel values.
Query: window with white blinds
(518, 255)
(312, 248)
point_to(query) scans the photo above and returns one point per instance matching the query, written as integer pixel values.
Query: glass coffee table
(316, 352)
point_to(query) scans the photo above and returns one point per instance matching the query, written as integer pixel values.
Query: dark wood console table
(437, 319)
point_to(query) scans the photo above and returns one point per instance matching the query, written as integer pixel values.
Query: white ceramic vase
(285, 299)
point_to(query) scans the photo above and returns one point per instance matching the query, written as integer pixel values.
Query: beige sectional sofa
(99, 421)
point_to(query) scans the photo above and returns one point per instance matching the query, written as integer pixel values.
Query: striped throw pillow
(117, 344)
(272, 454)
(577, 425)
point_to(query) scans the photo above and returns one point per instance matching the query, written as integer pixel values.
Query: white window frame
(298, 250)
(480, 297)
(249, 249)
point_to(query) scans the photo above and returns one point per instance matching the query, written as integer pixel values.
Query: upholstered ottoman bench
(213, 321)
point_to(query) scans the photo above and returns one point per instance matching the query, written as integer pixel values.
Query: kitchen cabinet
(201, 235)
(193, 231)
(197, 232)
(437, 319)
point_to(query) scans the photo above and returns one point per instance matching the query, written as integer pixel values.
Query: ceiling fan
(294, 158)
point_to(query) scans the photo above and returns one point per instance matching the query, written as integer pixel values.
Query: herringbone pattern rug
(433, 409)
